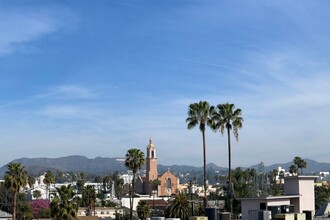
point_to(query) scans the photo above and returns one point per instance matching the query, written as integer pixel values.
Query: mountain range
(103, 166)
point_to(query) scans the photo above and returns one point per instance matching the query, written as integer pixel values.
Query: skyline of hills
(104, 165)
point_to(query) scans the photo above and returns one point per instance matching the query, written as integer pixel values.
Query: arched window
(152, 154)
(168, 183)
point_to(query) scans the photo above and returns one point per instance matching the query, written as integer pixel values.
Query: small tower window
(168, 183)
(152, 154)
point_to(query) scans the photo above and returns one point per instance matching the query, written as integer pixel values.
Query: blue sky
(96, 78)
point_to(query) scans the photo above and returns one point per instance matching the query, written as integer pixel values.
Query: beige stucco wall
(307, 200)
(254, 204)
(303, 186)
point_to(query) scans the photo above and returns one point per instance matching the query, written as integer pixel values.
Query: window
(168, 183)
(152, 154)
(262, 206)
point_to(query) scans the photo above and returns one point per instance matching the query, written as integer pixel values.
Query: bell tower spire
(151, 165)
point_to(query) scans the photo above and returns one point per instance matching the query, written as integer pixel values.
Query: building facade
(298, 194)
(165, 184)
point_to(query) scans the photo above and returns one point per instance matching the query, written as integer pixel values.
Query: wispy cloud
(60, 92)
(70, 92)
(25, 24)
(297, 82)
(63, 111)
(220, 66)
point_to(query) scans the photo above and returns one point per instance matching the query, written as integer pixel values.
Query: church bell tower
(151, 165)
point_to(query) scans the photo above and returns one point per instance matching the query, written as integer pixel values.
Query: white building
(125, 201)
(298, 194)
(103, 212)
(127, 178)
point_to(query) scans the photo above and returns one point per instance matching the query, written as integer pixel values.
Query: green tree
(154, 185)
(24, 209)
(5, 198)
(134, 160)
(36, 194)
(82, 176)
(179, 207)
(89, 198)
(80, 185)
(227, 117)
(198, 114)
(63, 206)
(106, 183)
(293, 169)
(15, 178)
(49, 179)
(142, 210)
(44, 213)
(119, 187)
(300, 164)
(31, 181)
(244, 186)
(322, 195)
(274, 189)
(98, 180)
(118, 182)
(74, 177)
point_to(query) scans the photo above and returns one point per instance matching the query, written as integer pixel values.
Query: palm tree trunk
(230, 188)
(229, 156)
(132, 197)
(204, 166)
(14, 204)
(130, 201)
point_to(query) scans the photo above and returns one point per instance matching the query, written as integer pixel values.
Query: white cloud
(60, 92)
(25, 24)
(71, 91)
(63, 111)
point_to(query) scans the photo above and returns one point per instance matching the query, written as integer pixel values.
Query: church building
(152, 183)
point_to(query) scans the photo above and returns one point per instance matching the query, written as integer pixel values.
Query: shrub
(38, 205)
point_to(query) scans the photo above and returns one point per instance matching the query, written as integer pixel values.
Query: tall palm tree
(226, 116)
(179, 207)
(300, 164)
(134, 160)
(49, 179)
(62, 206)
(89, 199)
(198, 114)
(15, 178)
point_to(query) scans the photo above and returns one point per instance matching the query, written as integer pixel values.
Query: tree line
(62, 204)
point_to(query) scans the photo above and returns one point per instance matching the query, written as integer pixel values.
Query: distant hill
(103, 166)
(312, 166)
(98, 165)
